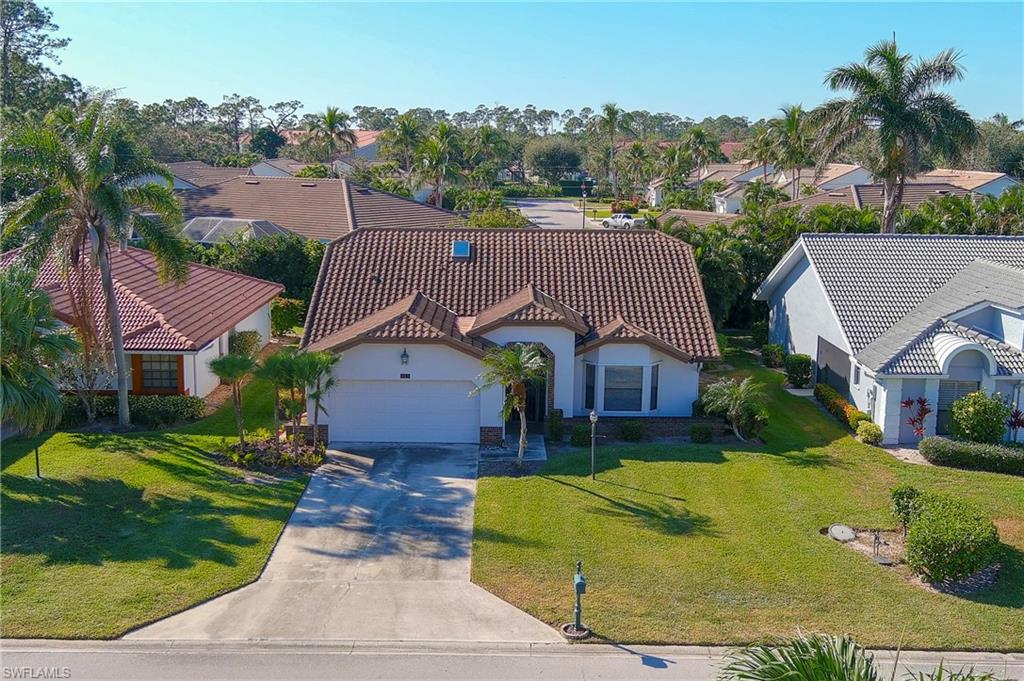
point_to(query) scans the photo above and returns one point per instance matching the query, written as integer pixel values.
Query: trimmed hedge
(839, 407)
(972, 455)
(580, 436)
(869, 433)
(246, 343)
(700, 433)
(772, 355)
(979, 418)
(556, 425)
(149, 411)
(286, 314)
(798, 369)
(517, 190)
(632, 431)
(950, 539)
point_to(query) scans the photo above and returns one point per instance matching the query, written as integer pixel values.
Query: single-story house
(832, 176)
(365, 150)
(890, 318)
(697, 218)
(873, 196)
(321, 209)
(276, 167)
(171, 331)
(621, 318)
(978, 181)
(194, 174)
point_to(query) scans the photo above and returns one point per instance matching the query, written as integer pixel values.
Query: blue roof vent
(461, 250)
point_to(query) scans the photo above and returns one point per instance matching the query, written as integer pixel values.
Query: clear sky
(692, 59)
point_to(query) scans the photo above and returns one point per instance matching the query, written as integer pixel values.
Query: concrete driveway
(554, 214)
(378, 548)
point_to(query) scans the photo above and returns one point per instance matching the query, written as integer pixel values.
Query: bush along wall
(974, 456)
(839, 407)
(148, 411)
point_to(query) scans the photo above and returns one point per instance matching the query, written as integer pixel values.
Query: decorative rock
(841, 533)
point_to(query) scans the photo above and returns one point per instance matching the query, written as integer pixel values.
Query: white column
(890, 393)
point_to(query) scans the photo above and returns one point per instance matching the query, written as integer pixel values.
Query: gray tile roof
(874, 280)
(906, 347)
(918, 359)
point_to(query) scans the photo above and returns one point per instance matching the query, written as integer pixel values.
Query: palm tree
(703, 148)
(402, 140)
(675, 164)
(792, 140)
(437, 159)
(275, 370)
(611, 122)
(97, 193)
(513, 367)
(761, 148)
(803, 658)
(637, 164)
(320, 380)
(231, 370)
(331, 130)
(30, 351)
(898, 100)
(740, 403)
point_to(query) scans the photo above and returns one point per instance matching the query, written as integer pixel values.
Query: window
(654, 386)
(856, 375)
(160, 372)
(623, 388)
(950, 392)
(588, 391)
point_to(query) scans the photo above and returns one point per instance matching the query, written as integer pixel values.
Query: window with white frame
(654, 386)
(590, 385)
(623, 388)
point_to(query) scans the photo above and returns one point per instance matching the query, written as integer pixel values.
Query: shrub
(556, 425)
(497, 218)
(286, 314)
(836, 405)
(906, 504)
(950, 540)
(798, 370)
(632, 431)
(979, 418)
(623, 207)
(772, 355)
(580, 436)
(519, 190)
(742, 405)
(759, 333)
(700, 433)
(150, 411)
(975, 456)
(246, 343)
(869, 433)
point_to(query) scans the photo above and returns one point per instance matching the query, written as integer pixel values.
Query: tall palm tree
(402, 139)
(675, 164)
(438, 162)
(792, 141)
(611, 122)
(232, 369)
(331, 130)
(899, 100)
(761, 148)
(513, 367)
(97, 193)
(637, 164)
(30, 351)
(703, 148)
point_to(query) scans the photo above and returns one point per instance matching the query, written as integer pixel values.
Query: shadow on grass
(93, 521)
(1008, 591)
(659, 516)
(488, 535)
(577, 462)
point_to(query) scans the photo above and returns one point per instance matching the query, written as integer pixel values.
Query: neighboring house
(889, 318)
(194, 174)
(365, 150)
(276, 167)
(414, 310)
(873, 196)
(209, 231)
(723, 172)
(830, 177)
(697, 218)
(171, 331)
(321, 209)
(731, 150)
(979, 181)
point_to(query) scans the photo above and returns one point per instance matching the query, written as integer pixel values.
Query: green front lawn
(125, 529)
(721, 544)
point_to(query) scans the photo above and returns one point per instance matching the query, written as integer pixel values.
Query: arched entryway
(540, 395)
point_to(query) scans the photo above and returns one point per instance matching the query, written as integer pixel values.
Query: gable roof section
(965, 179)
(619, 330)
(529, 305)
(874, 280)
(414, 318)
(873, 196)
(159, 316)
(203, 174)
(285, 165)
(323, 209)
(699, 218)
(905, 348)
(645, 277)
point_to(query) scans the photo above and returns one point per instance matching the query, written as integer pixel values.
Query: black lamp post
(583, 192)
(593, 439)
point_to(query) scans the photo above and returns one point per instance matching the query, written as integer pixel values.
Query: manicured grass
(721, 544)
(125, 529)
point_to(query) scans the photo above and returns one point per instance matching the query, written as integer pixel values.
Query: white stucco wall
(561, 341)
(257, 321)
(799, 312)
(858, 176)
(996, 187)
(199, 379)
(677, 381)
(861, 392)
(264, 169)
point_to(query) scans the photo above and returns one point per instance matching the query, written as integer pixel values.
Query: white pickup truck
(623, 221)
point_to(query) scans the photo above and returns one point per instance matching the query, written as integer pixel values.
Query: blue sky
(690, 59)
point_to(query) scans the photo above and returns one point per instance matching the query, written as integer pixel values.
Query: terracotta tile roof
(366, 137)
(203, 174)
(648, 279)
(717, 171)
(730, 148)
(320, 209)
(159, 316)
(529, 305)
(698, 218)
(620, 330)
(965, 179)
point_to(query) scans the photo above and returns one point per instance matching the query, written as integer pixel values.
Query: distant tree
(282, 115)
(401, 141)
(611, 123)
(438, 159)
(331, 130)
(287, 259)
(243, 160)
(267, 142)
(25, 36)
(552, 157)
(675, 165)
(761, 148)
(792, 140)
(716, 249)
(499, 217)
(760, 195)
(315, 170)
(898, 99)
(703, 147)
(383, 176)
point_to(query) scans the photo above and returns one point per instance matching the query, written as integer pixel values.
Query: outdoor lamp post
(583, 192)
(593, 439)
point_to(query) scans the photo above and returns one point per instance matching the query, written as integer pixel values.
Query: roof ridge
(146, 305)
(346, 196)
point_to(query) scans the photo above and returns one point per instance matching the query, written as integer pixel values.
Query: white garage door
(404, 411)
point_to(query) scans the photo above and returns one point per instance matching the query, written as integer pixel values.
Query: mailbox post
(580, 582)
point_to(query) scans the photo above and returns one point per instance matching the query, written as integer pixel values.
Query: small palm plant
(320, 381)
(803, 658)
(513, 367)
(275, 370)
(232, 369)
(742, 404)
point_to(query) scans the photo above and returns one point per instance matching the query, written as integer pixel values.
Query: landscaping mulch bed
(266, 456)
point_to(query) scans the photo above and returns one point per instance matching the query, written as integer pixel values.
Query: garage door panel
(405, 411)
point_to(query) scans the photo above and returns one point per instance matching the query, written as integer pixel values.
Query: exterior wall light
(405, 356)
